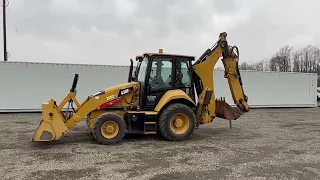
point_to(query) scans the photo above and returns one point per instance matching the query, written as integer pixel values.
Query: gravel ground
(263, 144)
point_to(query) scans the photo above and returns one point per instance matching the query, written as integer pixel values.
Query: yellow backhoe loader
(167, 94)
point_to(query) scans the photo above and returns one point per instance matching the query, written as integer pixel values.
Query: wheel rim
(179, 123)
(109, 129)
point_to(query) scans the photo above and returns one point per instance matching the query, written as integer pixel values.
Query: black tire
(114, 118)
(165, 118)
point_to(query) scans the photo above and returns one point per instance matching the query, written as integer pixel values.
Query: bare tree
(266, 65)
(273, 65)
(305, 60)
(288, 59)
(243, 66)
(258, 66)
(284, 58)
(309, 59)
(281, 60)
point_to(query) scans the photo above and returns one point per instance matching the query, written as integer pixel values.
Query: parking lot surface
(263, 144)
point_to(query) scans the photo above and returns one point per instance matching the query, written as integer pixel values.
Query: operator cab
(158, 73)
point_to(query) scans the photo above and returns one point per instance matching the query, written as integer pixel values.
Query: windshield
(142, 69)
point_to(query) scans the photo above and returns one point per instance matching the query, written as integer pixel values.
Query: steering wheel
(153, 82)
(153, 79)
(156, 83)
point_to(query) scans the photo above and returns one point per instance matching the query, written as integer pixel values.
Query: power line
(5, 53)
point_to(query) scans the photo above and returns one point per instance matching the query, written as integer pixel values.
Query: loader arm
(208, 106)
(55, 124)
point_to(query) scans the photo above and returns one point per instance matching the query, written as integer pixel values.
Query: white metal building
(26, 85)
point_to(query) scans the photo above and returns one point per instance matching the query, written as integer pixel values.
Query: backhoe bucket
(52, 126)
(225, 111)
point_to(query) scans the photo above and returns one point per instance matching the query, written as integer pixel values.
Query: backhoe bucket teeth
(225, 111)
(52, 126)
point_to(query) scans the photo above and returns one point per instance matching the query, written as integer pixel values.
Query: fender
(173, 95)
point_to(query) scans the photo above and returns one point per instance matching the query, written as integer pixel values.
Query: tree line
(289, 59)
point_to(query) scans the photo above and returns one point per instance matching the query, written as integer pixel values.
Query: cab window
(160, 75)
(183, 75)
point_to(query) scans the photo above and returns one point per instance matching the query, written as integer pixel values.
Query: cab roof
(166, 54)
(160, 53)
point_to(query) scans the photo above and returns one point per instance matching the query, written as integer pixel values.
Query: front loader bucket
(225, 111)
(52, 126)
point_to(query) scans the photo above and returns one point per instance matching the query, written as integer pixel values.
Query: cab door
(158, 81)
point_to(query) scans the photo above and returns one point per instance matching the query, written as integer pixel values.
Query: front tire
(177, 122)
(109, 128)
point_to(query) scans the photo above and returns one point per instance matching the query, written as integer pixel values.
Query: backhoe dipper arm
(232, 73)
(204, 82)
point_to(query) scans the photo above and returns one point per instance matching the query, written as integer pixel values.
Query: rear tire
(109, 128)
(177, 122)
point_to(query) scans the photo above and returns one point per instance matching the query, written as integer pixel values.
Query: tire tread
(165, 117)
(96, 131)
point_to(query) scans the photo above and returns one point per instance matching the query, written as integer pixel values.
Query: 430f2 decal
(125, 91)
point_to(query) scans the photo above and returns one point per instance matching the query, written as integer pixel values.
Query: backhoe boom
(204, 82)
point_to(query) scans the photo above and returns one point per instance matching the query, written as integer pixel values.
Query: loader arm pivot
(208, 106)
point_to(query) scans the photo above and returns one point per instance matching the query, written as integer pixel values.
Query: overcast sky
(113, 31)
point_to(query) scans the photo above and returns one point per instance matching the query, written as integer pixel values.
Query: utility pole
(5, 54)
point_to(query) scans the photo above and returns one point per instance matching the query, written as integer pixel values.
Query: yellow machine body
(172, 95)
